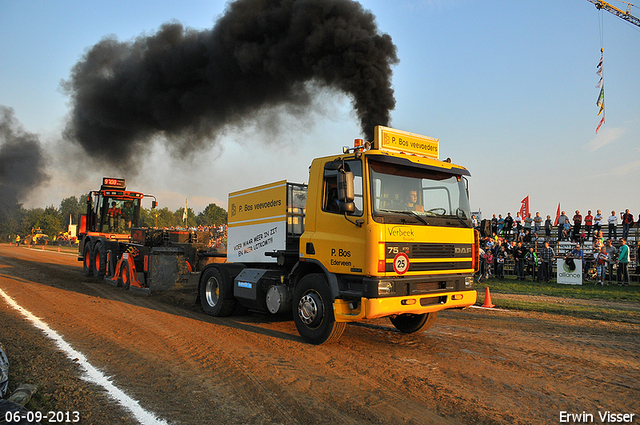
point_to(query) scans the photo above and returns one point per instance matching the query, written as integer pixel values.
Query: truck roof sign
(111, 183)
(392, 140)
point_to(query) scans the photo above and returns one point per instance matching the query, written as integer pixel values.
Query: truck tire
(99, 259)
(313, 310)
(86, 263)
(125, 277)
(216, 294)
(410, 323)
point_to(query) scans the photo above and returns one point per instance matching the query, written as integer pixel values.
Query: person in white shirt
(597, 221)
(613, 225)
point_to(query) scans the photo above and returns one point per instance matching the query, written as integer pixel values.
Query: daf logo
(463, 250)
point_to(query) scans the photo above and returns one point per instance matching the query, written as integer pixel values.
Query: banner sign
(570, 272)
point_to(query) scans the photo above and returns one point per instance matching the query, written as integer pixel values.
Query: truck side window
(330, 187)
(100, 217)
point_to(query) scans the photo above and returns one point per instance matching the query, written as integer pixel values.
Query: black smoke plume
(22, 160)
(187, 85)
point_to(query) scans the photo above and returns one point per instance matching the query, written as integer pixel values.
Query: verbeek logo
(403, 232)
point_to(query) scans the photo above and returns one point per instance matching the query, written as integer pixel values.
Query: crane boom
(618, 12)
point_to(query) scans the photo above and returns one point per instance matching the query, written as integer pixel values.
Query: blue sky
(507, 87)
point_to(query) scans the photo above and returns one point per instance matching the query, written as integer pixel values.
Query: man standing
(528, 222)
(500, 258)
(623, 263)
(547, 261)
(561, 222)
(532, 263)
(588, 223)
(613, 225)
(612, 255)
(597, 225)
(508, 225)
(494, 225)
(537, 224)
(518, 255)
(627, 222)
(547, 227)
(577, 224)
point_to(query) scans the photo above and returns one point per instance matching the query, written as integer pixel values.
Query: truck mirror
(347, 207)
(345, 187)
(346, 192)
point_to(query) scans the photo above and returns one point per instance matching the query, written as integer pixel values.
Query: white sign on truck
(257, 222)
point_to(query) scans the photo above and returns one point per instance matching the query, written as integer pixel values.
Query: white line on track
(91, 373)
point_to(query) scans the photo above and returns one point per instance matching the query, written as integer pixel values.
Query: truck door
(339, 241)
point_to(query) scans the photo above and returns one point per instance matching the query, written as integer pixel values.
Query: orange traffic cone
(487, 300)
(43, 247)
(58, 249)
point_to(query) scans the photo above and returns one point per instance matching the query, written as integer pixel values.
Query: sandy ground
(472, 367)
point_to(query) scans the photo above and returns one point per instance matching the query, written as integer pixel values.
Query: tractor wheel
(216, 294)
(99, 259)
(313, 310)
(125, 277)
(410, 323)
(86, 263)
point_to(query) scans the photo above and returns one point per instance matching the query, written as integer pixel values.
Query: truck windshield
(117, 214)
(401, 194)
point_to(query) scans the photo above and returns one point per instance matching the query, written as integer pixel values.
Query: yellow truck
(382, 230)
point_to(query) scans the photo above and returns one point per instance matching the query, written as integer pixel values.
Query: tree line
(17, 220)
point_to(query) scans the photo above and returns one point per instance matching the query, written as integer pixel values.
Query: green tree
(71, 207)
(162, 216)
(212, 215)
(51, 221)
(179, 215)
(10, 219)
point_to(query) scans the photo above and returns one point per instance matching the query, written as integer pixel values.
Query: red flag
(557, 215)
(524, 208)
(600, 125)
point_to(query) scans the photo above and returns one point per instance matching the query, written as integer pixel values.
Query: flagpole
(185, 216)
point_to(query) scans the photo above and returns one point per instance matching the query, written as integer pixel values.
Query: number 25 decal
(401, 263)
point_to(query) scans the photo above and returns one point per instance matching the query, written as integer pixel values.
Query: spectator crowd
(528, 243)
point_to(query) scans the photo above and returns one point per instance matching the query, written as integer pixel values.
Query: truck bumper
(372, 308)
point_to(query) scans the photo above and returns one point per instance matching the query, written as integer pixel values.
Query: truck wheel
(410, 323)
(216, 294)
(86, 263)
(99, 259)
(125, 277)
(313, 310)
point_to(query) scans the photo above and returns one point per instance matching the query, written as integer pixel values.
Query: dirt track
(472, 367)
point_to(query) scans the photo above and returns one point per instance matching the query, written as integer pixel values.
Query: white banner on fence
(570, 275)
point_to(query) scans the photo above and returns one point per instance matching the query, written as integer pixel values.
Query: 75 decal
(401, 263)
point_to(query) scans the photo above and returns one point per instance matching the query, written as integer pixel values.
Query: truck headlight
(468, 281)
(385, 288)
